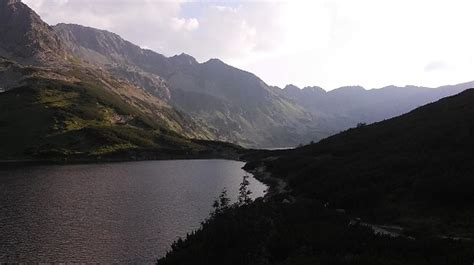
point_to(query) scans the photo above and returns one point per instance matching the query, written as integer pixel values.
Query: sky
(326, 43)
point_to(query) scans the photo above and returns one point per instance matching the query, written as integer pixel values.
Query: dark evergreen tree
(244, 192)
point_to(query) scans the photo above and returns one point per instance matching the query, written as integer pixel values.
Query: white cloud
(184, 24)
(329, 43)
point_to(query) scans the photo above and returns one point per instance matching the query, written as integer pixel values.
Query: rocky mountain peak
(291, 87)
(314, 89)
(25, 37)
(101, 41)
(214, 61)
(184, 58)
(348, 90)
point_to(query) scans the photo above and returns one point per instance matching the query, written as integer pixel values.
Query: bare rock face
(152, 83)
(107, 50)
(24, 36)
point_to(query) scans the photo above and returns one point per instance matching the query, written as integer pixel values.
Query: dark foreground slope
(415, 171)
(305, 233)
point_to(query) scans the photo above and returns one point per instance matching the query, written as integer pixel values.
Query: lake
(110, 213)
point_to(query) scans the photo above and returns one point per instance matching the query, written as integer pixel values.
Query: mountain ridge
(355, 104)
(243, 108)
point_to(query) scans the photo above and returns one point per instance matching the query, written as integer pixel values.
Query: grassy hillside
(48, 118)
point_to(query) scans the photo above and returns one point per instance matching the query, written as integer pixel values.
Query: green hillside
(46, 118)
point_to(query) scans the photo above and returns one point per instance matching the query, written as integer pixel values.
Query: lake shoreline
(111, 159)
(203, 150)
(275, 185)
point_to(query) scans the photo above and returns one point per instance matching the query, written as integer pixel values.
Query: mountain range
(139, 90)
(354, 104)
(237, 105)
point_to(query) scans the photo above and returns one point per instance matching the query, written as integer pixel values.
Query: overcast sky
(324, 43)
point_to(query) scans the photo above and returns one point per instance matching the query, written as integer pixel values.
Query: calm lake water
(120, 212)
